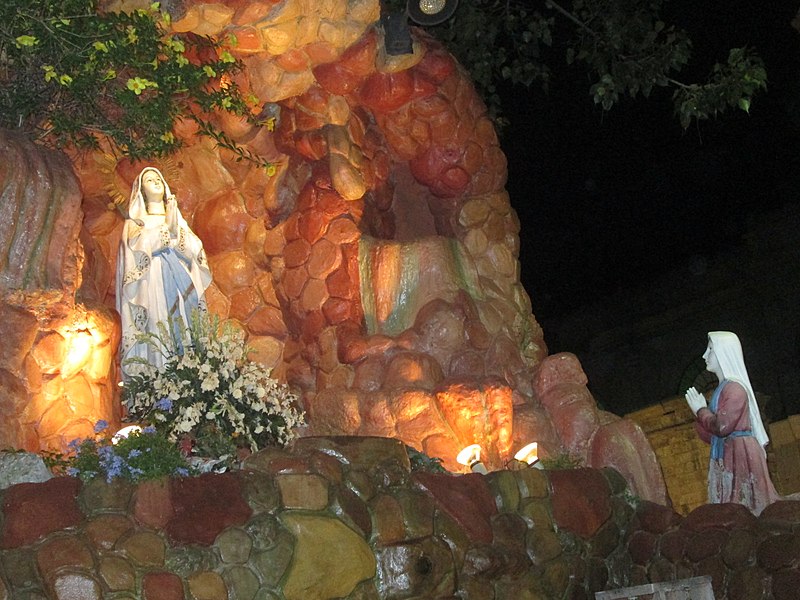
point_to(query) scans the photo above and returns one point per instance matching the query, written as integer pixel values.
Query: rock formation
(57, 372)
(376, 270)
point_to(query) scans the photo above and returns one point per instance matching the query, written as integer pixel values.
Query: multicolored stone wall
(348, 518)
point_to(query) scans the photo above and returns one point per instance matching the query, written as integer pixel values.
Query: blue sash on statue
(718, 442)
(179, 291)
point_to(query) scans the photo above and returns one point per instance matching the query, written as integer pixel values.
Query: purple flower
(73, 472)
(134, 453)
(110, 462)
(181, 472)
(75, 445)
(164, 404)
(149, 429)
(135, 472)
(101, 425)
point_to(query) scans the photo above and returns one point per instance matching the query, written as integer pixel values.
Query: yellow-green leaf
(49, 72)
(744, 104)
(26, 40)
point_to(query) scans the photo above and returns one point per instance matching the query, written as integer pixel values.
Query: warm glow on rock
(387, 271)
(79, 350)
(74, 354)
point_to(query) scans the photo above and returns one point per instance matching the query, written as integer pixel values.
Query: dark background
(609, 200)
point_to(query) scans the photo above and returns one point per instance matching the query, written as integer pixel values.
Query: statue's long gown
(162, 276)
(740, 475)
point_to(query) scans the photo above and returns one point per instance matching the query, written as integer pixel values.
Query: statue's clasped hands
(695, 400)
(171, 206)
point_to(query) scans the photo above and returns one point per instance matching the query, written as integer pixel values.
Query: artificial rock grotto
(375, 271)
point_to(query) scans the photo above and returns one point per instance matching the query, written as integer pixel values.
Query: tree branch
(565, 13)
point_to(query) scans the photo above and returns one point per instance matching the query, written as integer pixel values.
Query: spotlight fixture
(471, 457)
(396, 34)
(528, 454)
(430, 12)
(125, 432)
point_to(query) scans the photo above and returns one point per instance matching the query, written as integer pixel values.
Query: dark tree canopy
(624, 46)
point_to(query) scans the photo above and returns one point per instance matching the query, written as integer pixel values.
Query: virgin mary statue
(162, 272)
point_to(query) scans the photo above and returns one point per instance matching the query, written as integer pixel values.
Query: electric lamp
(528, 454)
(430, 12)
(471, 457)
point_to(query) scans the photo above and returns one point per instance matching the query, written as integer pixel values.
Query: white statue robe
(162, 276)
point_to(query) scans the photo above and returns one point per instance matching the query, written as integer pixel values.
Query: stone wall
(683, 456)
(348, 518)
(783, 454)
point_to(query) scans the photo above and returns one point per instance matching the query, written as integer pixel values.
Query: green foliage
(140, 456)
(730, 86)
(631, 499)
(625, 46)
(57, 462)
(422, 462)
(496, 39)
(69, 75)
(561, 461)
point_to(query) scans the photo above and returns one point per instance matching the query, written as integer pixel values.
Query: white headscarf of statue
(728, 350)
(137, 205)
(162, 271)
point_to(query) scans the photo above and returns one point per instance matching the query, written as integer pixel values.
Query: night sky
(609, 200)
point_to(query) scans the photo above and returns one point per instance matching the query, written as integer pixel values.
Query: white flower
(211, 382)
(236, 394)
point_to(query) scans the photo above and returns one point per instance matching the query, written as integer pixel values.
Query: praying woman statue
(737, 469)
(162, 272)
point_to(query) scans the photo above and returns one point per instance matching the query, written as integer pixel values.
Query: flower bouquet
(208, 394)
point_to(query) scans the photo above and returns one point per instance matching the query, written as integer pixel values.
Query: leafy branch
(624, 44)
(78, 79)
